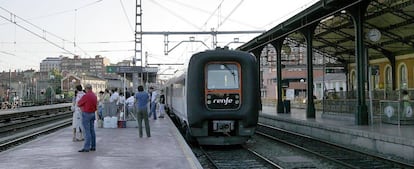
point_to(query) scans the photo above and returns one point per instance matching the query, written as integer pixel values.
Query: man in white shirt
(113, 101)
(129, 106)
(121, 104)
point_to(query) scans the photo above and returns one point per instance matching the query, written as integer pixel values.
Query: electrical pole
(138, 44)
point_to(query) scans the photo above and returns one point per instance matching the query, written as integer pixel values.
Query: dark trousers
(88, 120)
(142, 114)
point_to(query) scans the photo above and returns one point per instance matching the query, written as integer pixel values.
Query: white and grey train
(216, 99)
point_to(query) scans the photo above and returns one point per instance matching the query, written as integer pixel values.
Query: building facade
(98, 84)
(51, 63)
(85, 66)
(294, 72)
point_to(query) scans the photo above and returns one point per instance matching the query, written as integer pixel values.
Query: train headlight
(208, 99)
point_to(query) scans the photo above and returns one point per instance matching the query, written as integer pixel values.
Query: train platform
(387, 139)
(116, 148)
(34, 108)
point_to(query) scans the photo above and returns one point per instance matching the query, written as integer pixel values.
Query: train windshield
(222, 76)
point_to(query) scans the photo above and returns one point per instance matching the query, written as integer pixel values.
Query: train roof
(180, 74)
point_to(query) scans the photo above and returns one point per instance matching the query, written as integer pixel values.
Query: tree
(55, 80)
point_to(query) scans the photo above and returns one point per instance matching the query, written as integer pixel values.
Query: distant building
(85, 66)
(69, 82)
(294, 71)
(50, 63)
(124, 63)
(98, 84)
(18, 83)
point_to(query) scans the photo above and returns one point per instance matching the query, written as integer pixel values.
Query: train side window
(222, 76)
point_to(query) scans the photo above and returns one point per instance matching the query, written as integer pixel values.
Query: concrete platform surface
(116, 148)
(387, 139)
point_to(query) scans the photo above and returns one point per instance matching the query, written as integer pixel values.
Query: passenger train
(216, 99)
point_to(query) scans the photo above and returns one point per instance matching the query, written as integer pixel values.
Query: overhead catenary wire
(231, 12)
(44, 32)
(126, 16)
(176, 15)
(211, 14)
(36, 34)
(289, 14)
(26, 21)
(60, 12)
(218, 11)
(7, 53)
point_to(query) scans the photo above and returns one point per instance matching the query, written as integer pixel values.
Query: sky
(32, 30)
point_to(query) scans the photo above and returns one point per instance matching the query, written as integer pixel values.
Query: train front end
(223, 97)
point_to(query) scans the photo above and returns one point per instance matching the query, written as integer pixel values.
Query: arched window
(403, 77)
(388, 78)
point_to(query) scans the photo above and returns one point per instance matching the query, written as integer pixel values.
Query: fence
(397, 112)
(386, 111)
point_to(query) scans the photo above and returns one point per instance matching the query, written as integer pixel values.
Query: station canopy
(388, 29)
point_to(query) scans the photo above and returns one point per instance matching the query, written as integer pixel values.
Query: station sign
(123, 69)
(130, 69)
(150, 69)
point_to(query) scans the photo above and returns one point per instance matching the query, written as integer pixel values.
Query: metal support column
(308, 32)
(257, 54)
(393, 72)
(278, 47)
(357, 12)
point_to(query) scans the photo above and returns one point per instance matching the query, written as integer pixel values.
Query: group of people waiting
(121, 104)
(86, 104)
(110, 103)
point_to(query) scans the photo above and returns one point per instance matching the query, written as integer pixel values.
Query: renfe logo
(225, 101)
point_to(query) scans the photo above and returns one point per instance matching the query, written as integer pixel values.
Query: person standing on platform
(106, 103)
(161, 105)
(100, 104)
(77, 115)
(153, 104)
(121, 104)
(113, 101)
(129, 106)
(142, 99)
(406, 98)
(75, 120)
(127, 93)
(88, 104)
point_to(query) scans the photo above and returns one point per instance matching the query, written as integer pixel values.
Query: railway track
(224, 157)
(23, 126)
(343, 156)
